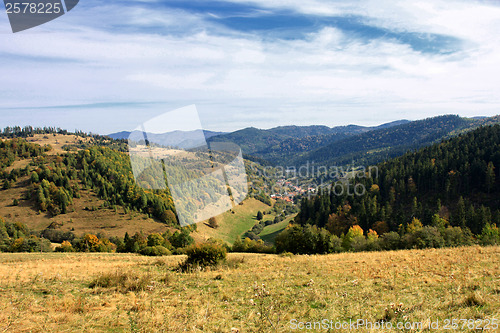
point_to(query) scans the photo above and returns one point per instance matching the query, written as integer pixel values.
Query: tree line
(17, 237)
(453, 184)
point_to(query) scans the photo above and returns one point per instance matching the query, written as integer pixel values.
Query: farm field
(250, 293)
(271, 231)
(233, 225)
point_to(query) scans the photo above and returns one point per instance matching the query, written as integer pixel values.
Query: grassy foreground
(250, 293)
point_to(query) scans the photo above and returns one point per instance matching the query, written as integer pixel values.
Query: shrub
(212, 222)
(257, 229)
(65, 247)
(490, 235)
(155, 239)
(355, 234)
(204, 255)
(57, 236)
(307, 240)
(30, 244)
(154, 251)
(425, 237)
(251, 235)
(358, 243)
(268, 222)
(390, 241)
(372, 241)
(122, 281)
(336, 244)
(456, 236)
(252, 246)
(181, 238)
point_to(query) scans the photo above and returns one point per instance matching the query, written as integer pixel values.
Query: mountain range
(341, 145)
(177, 139)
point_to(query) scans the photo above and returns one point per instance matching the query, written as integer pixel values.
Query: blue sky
(111, 67)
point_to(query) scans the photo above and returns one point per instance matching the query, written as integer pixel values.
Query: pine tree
(490, 177)
(34, 177)
(460, 216)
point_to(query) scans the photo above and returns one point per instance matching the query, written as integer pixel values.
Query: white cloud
(240, 80)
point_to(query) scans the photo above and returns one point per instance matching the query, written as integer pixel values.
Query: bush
(336, 244)
(65, 247)
(122, 281)
(268, 222)
(30, 244)
(307, 240)
(358, 244)
(204, 255)
(181, 238)
(251, 246)
(390, 241)
(456, 236)
(425, 237)
(155, 239)
(57, 236)
(372, 241)
(212, 222)
(251, 235)
(257, 229)
(354, 239)
(154, 251)
(490, 235)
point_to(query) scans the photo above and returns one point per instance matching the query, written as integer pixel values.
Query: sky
(111, 66)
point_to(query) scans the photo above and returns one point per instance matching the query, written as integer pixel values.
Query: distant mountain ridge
(340, 145)
(178, 139)
(252, 140)
(385, 142)
(281, 145)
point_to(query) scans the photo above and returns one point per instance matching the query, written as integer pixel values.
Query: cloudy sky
(110, 67)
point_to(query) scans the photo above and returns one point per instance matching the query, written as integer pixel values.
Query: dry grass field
(58, 141)
(250, 293)
(79, 220)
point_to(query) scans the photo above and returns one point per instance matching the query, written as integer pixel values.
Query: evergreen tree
(490, 177)
(459, 219)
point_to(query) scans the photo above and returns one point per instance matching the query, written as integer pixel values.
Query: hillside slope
(281, 145)
(457, 180)
(385, 143)
(87, 188)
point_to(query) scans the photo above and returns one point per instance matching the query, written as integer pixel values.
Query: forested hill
(282, 145)
(295, 145)
(77, 183)
(455, 183)
(378, 145)
(55, 181)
